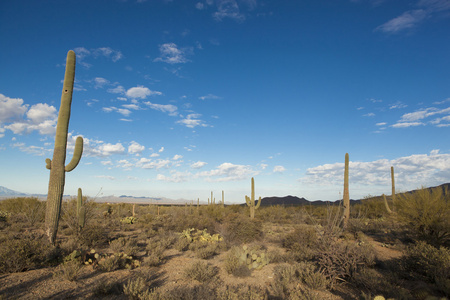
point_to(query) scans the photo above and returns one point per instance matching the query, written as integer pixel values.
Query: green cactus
(393, 186)
(253, 258)
(223, 200)
(251, 201)
(81, 210)
(56, 166)
(346, 193)
(386, 204)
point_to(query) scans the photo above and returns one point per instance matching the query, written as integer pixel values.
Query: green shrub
(238, 229)
(200, 271)
(24, 253)
(427, 213)
(425, 262)
(135, 287)
(69, 270)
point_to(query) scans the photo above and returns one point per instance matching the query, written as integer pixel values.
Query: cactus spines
(81, 210)
(57, 164)
(251, 201)
(346, 193)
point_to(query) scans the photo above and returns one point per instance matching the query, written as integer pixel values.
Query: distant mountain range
(266, 201)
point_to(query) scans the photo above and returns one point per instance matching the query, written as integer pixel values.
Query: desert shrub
(103, 288)
(110, 263)
(425, 262)
(200, 271)
(69, 270)
(427, 214)
(29, 210)
(135, 287)
(69, 215)
(294, 281)
(275, 214)
(276, 256)
(241, 292)
(340, 261)
(24, 252)
(206, 250)
(302, 242)
(238, 229)
(125, 245)
(373, 283)
(182, 244)
(93, 236)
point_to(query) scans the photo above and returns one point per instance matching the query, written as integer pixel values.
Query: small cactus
(346, 193)
(251, 201)
(252, 258)
(81, 210)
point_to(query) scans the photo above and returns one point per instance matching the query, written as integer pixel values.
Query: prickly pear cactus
(253, 258)
(57, 164)
(128, 220)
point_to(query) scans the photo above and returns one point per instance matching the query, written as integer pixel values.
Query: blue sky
(180, 98)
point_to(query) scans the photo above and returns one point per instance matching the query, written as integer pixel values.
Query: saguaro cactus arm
(76, 155)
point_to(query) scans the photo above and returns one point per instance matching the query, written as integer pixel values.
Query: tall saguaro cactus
(251, 201)
(81, 210)
(346, 193)
(57, 164)
(393, 186)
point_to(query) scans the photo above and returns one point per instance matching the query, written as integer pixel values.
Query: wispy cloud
(228, 172)
(198, 165)
(83, 53)
(209, 96)
(170, 53)
(426, 9)
(279, 169)
(429, 115)
(167, 108)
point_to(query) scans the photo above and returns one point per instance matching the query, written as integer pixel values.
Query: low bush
(237, 229)
(200, 271)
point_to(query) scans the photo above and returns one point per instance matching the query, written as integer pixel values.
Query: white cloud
(123, 111)
(209, 96)
(198, 165)
(41, 117)
(418, 117)
(41, 112)
(177, 157)
(411, 172)
(406, 124)
(11, 109)
(135, 148)
(161, 150)
(174, 177)
(83, 53)
(279, 169)
(167, 108)
(228, 9)
(407, 20)
(171, 54)
(117, 90)
(381, 124)
(106, 177)
(106, 162)
(100, 82)
(154, 155)
(141, 92)
(192, 121)
(157, 164)
(110, 149)
(228, 172)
